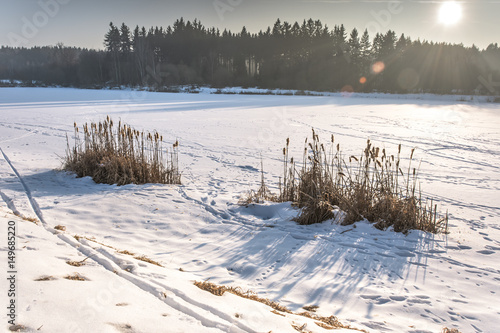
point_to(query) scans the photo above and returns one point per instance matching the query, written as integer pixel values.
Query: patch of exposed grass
(46, 278)
(221, 290)
(60, 227)
(31, 219)
(121, 155)
(310, 308)
(75, 277)
(374, 186)
(450, 330)
(148, 260)
(77, 263)
(127, 253)
(26, 218)
(19, 328)
(278, 309)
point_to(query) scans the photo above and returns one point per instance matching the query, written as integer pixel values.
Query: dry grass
(75, 277)
(18, 328)
(77, 263)
(261, 195)
(121, 155)
(127, 253)
(278, 309)
(299, 328)
(46, 278)
(60, 227)
(450, 330)
(311, 308)
(31, 219)
(26, 218)
(148, 260)
(220, 290)
(373, 186)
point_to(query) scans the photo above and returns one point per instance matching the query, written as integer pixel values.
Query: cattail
(284, 151)
(333, 139)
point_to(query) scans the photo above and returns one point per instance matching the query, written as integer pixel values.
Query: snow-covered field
(372, 280)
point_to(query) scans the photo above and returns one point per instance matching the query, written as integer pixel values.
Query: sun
(450, 12)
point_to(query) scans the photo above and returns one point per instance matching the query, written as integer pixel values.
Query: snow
(372, 280)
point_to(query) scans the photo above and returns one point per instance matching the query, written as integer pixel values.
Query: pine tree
(112, 41)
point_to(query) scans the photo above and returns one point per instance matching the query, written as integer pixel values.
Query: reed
(121, 155)
(373, 186)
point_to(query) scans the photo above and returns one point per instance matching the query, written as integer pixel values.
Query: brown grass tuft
(60, 227)
(31, 219)
(121, 155)
(450, 330)
(46, 278)
(77, 263)
(18, 328)
(278, 309)
(75, 277)
(311, 308)
(148, 260)
(299, 328)
(127, 253)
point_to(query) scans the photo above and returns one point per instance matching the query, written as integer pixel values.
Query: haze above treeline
(305, 55)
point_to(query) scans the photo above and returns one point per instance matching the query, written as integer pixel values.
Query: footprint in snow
(486, 252)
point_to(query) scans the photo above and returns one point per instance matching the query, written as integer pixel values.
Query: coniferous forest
(302, 56)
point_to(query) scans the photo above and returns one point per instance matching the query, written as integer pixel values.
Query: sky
(83, 23)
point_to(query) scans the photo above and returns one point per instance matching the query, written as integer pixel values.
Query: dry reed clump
(372, 186)
(261, 195)
(121, 155)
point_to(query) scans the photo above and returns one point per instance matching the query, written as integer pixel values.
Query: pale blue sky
(84, 22)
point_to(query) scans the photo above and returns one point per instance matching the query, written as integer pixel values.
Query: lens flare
(378, 67)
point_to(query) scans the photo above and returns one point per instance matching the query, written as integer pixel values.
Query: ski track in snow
(432, 279)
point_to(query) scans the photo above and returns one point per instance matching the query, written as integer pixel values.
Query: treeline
(306, 56)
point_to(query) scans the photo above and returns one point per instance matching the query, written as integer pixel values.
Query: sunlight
(450, 12)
